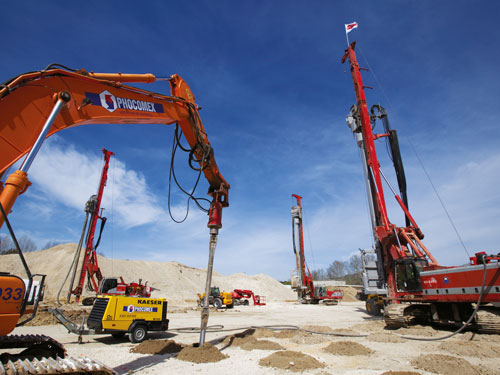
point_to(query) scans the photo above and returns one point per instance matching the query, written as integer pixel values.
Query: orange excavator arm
(33, 106)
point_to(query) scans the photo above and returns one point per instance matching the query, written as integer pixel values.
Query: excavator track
(36, 345)
(44, 355)
(488, 320)
(54, 366)
(394, 316)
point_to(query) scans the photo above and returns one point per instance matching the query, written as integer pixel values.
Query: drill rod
(205, 308)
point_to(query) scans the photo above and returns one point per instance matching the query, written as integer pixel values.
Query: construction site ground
(263, 351)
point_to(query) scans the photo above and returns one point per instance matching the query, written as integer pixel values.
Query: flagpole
(347, 37)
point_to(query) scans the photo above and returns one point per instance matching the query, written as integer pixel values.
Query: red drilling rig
(90, 268)
(419, 289)
(303, 283)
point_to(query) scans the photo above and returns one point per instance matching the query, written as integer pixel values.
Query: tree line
(348, 271)
(25, 242)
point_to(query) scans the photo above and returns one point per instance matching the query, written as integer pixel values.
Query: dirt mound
(400, 373)
(201, 354)
(314, 328)
(307, 338)
(347, 348)
(173, 280)
(263, 332)
(447, 365)
(373, 326)
(417, 330)
(385, 337)
(349, 293)
(246, 340)
(157, 347)
(286, 333)
(471, 349)
(291, 360)
(469, 336)
(251, 343)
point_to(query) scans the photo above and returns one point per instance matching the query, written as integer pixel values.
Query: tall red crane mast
(90, 265)
(305, 287)
(307, 292)
(90, 269)
(419, 289)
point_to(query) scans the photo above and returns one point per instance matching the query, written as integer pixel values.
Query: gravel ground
(384, 352)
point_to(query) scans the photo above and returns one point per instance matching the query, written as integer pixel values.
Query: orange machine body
(12, 290)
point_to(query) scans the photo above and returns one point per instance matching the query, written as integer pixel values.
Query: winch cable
(439, 198)
(372, 71)
(176, 143)
(478, 303)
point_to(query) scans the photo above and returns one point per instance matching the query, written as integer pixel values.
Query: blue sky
(274, 97)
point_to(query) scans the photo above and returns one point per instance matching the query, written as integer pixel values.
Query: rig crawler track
(487, 319)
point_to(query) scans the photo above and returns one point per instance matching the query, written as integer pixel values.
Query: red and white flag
(350, 26)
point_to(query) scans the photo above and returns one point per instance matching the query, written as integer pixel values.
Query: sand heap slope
(175, 281)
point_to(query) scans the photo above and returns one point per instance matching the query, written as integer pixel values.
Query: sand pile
(471, 349)
(347, 348)
(417, 330)
(251, 343)
(306, 338)
(373, 326)
(349, 293)
(201, 354)
(157, 347)
(175, 281)
(247, 340)
(385, 337)
(447, 365)
(262, 332)
(292, 361)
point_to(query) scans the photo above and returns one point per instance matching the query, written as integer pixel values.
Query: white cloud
(70, 177)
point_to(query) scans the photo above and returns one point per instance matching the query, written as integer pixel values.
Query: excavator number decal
(9, 295)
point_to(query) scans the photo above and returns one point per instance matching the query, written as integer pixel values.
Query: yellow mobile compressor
(119, 315)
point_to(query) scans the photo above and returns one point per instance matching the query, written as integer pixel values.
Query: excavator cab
(407, 273)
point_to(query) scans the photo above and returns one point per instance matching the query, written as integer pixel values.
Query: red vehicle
(241, 297)
(418, 288)
(303, 283)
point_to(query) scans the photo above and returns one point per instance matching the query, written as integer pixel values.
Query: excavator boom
(95, 98)
(28, 101)
(36, 105)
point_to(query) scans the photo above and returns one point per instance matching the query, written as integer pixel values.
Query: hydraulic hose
(220, 328)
